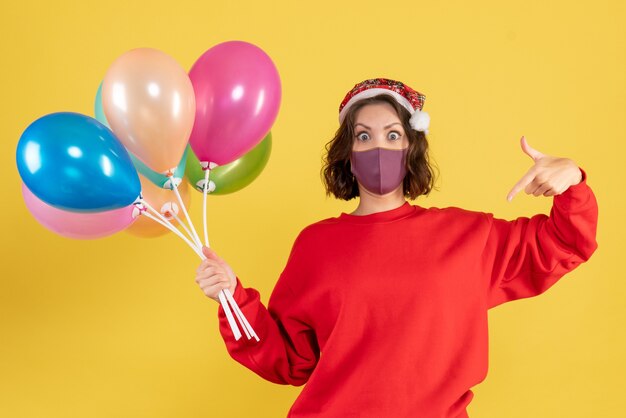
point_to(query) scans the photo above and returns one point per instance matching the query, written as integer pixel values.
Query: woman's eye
(363, 136)
(394, 135)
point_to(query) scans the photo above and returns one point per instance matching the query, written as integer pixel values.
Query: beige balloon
(150, 105)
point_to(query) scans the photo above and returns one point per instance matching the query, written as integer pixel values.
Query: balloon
(78, 225)
(238, 94)
(149, 101)
(73, 162)
(233, 176)
(98, 110)
(161, 180)
(163, 200)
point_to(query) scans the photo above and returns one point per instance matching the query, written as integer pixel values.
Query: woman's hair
(337, 176)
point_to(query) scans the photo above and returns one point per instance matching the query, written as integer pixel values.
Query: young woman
(382, 312)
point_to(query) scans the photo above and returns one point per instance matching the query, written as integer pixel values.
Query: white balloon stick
(238, 313)
(224, 302)
(229, 316)
(181, 223)
(174, 230)
(182, 204)
(225, 295)
(242, 318)
(206, 188)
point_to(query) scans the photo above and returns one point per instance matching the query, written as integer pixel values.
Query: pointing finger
(521, 184)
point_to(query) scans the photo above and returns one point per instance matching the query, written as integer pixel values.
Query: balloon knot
(141, 207)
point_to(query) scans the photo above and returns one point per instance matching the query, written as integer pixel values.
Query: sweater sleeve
(526, 256)
(287, 350)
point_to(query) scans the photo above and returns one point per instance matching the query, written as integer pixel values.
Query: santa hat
(411, 100)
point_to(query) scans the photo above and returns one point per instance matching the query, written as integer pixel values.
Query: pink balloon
(238, 94)
(78, 225)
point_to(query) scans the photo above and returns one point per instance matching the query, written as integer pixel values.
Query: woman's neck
(373, 203)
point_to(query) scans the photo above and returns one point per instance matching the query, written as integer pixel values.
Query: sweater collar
(400, 212)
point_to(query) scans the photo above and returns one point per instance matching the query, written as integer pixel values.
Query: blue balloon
(73, 162)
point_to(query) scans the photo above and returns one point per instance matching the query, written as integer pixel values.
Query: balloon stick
(225, 296)
(171, 228)
(206, 188)
(181, 223)
(182, 204)
(223, 301)
(242, 318)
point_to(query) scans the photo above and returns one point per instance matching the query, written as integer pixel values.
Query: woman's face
(378, 125)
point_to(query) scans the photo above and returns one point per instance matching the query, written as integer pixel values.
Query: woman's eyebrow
(386, 127)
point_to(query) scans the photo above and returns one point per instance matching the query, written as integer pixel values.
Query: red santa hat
(410, 99)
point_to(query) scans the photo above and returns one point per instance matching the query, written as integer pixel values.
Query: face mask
(379, 170)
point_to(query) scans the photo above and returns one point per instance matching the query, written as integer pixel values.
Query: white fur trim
(420, 121)
(371, 93)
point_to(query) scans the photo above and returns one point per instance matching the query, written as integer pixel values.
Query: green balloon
(233, 176)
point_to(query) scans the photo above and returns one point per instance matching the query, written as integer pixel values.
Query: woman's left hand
(549, 176)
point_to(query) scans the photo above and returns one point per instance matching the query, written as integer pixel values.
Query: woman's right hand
(214, 274)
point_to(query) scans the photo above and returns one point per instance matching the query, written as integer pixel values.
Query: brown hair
(337, 176)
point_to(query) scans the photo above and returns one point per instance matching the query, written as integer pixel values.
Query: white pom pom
(420, 121)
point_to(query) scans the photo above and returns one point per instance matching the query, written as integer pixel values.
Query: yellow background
(118, 328)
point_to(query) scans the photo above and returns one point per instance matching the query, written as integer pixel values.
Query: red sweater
(385, 315)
